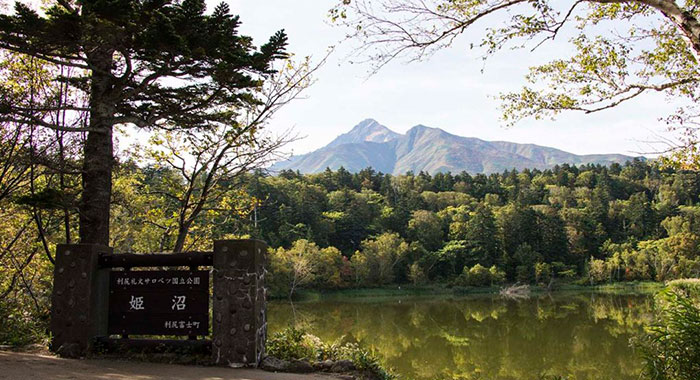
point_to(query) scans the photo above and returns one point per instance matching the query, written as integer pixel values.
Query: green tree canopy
(164, 64)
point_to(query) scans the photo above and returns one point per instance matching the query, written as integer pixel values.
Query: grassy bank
(378, 292)
(634, 287)
(622, 288)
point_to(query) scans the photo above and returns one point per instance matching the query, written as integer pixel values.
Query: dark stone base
(273, 364)
(70, 351)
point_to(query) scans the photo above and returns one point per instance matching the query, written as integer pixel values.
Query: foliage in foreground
(295, 344)
(671, 346)
(19, 325)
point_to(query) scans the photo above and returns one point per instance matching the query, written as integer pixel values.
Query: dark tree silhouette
(146, 63)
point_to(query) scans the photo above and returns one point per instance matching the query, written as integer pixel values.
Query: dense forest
(338, 229)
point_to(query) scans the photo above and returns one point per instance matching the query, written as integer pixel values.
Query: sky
(448, 91)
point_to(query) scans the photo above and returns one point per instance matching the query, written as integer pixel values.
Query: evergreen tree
(163, 64)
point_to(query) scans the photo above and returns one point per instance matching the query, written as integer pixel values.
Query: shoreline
(621, 288)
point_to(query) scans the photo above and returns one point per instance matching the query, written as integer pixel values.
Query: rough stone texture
(70, 350)
(300, 366)
(343, 366)
(324, 365)
(239, 313)
(273, 364)
(79, 299)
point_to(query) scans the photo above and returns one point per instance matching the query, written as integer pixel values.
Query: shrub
(20, 327)
(689, 287)
(416, 273)
(569, 274)
(291, 344)
(478, 275)
(671, 346)
(525, 274)
(597, 271)
(543, 273)
(364, 361)
(296, 344)
(497, 276)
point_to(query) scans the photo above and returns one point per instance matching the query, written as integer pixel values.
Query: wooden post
(239, 314)
(79, 299)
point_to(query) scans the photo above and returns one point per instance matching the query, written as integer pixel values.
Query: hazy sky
(449, 91)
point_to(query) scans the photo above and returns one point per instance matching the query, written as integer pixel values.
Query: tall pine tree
(145, 63)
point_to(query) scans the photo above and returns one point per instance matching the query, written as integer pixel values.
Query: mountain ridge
(429, 149)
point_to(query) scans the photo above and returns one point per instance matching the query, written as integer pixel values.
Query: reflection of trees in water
(586, 335)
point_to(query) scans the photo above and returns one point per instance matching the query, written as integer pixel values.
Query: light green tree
(294, 267)
(380, 256)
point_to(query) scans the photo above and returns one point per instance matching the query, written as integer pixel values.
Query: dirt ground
(29, 366)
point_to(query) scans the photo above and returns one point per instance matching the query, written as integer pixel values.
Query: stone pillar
(239, 314)
(79, 302)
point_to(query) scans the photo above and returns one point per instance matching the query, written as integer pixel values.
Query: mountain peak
(368, 130)
(424, 130)
(422, 148)
(367, 123)
(421, 128)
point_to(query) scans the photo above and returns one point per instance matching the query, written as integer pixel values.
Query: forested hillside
(336, 229)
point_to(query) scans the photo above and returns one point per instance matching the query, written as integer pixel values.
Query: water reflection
(585, 336)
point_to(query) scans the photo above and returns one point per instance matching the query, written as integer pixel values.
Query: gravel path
(21, 366)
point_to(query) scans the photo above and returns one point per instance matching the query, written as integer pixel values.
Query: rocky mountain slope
(370, 144)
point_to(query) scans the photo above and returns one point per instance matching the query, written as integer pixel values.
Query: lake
(581, 335)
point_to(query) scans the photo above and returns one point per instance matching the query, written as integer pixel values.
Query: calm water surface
(585, 336)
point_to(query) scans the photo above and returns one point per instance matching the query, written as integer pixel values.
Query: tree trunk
(688, 25)
(181, 236)
(98, 157)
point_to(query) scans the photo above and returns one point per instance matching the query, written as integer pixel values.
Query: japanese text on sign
(159, 302)
(163, 281)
